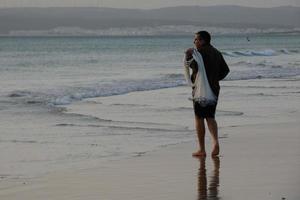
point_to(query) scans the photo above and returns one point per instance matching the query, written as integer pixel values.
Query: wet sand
(257, 162)
(260, 150)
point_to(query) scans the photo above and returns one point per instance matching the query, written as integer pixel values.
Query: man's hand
(189, 53)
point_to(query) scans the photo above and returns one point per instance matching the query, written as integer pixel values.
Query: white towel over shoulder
(202, 92)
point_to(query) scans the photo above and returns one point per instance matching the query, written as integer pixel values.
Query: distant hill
(14, 19)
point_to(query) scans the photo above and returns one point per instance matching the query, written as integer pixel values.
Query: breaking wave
(266, 52)
(64, 96)
(68, 95)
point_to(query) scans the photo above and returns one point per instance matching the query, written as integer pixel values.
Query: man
(216, 69)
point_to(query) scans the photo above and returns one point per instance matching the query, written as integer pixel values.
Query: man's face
(198, 41)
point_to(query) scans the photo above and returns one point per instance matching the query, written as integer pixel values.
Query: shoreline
(260, 148)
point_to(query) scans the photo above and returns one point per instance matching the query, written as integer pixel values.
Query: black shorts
(207, 111)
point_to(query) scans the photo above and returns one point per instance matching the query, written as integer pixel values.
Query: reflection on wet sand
(209, 191)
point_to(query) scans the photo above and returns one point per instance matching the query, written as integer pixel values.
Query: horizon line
(103, 7)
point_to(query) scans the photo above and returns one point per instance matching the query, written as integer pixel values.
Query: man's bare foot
(215, 151)
(199, 154)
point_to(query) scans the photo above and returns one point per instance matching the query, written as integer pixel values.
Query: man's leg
(213, 129)
(200, 128)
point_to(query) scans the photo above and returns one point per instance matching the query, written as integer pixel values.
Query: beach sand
(259, 138)
(257, 162)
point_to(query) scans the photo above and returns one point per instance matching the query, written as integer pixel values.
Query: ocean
(42, 76)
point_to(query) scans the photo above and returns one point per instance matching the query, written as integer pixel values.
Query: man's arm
(188, 60)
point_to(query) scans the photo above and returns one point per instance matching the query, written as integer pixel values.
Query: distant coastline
(165, 21)
(167, 30)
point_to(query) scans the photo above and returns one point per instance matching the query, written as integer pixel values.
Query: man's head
(202, 38)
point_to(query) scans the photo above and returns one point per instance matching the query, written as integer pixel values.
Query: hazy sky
(146, 4)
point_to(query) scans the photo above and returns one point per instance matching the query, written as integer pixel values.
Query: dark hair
(204, 35)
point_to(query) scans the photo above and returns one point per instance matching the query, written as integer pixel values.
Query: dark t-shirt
(215, 67)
